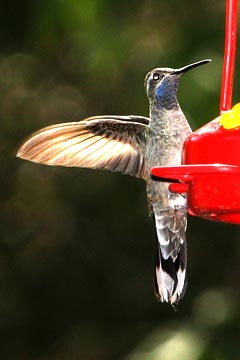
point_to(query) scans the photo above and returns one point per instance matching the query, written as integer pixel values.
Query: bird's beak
(190, 66)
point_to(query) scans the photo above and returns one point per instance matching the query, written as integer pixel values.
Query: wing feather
(115, 143)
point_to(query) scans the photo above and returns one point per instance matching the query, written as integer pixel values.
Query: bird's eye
(156, 76)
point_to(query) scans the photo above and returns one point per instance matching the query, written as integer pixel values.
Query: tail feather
(170, 276)
(171, 256)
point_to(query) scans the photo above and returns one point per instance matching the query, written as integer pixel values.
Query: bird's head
(161, 84)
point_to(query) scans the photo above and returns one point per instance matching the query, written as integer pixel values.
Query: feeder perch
(210, 170)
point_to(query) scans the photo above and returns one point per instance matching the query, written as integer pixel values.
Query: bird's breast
(163, 150)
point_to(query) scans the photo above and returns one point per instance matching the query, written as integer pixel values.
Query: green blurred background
(76, 246)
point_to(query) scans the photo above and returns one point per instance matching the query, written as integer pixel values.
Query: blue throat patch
(160, 91)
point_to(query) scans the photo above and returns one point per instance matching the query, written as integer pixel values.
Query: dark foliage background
(76, 246)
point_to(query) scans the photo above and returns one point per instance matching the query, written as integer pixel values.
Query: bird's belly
(161, 155)
(157, 192)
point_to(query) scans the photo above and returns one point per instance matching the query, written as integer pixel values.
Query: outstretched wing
(115, 143)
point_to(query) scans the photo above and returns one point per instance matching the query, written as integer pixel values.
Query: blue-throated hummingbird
(133, 145)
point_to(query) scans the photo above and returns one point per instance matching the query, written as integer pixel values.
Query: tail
(171, 254)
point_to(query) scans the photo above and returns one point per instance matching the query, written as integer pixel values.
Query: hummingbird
(133, 145)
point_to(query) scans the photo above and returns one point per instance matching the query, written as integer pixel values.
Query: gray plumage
(133, 145)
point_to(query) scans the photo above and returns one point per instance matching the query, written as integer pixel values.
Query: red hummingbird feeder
(210, 170)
